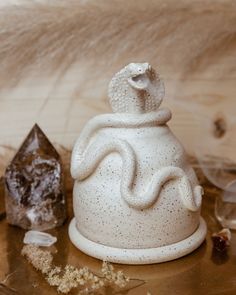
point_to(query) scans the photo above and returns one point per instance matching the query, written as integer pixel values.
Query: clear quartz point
(225, 207)
(39, 238)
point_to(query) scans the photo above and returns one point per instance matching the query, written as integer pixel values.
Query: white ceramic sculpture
(136, 198)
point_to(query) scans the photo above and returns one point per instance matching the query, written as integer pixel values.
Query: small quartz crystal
(39, 238)
(35, 194)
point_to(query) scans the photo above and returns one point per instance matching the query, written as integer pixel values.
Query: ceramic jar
(136, 199)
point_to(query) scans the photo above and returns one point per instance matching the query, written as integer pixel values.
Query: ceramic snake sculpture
(135, 95)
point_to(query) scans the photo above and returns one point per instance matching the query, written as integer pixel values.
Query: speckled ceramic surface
(135, 193)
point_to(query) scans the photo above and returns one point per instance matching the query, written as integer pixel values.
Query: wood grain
(202, 99)
(203, 113)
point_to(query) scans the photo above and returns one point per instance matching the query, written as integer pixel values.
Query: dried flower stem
(71, 277)
(41, 260)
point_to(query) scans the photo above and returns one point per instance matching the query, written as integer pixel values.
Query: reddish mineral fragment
(35, 195)
(221, 240)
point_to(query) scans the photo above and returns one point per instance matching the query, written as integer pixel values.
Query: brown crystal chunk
(35, 195)
(221, 240)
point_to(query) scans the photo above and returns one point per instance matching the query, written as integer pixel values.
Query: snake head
(136, 88)
(140, 76)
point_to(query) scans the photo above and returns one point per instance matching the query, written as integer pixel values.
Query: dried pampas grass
(181, 36)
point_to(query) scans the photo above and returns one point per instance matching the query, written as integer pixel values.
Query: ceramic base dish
(138, 256)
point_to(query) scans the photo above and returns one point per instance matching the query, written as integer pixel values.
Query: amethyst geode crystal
(35, 194)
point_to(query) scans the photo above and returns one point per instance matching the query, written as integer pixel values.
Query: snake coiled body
(87, 156)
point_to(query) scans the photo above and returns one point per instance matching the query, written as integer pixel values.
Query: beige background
(202, 101)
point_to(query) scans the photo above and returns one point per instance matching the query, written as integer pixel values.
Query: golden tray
(204, 271)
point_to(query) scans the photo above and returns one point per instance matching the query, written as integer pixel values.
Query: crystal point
(35, 197)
